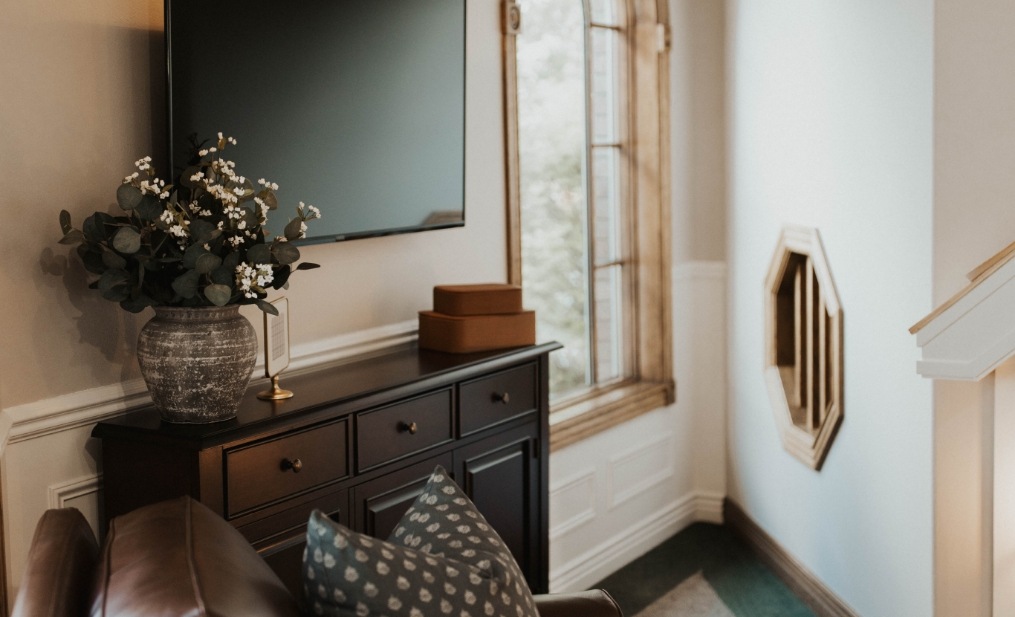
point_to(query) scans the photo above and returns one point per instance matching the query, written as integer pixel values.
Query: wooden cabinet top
(321, 393)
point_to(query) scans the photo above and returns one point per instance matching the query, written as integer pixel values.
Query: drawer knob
(296, 465)
(502, 397)
(408, 427)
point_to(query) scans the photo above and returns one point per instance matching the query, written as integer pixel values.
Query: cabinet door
(501, 475)
(280, 538)
(380, 503)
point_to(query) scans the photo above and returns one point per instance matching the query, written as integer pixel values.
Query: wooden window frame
(650, 346)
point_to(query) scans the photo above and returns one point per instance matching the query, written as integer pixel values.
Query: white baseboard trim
(597, 563)
(77, 409)
(709, 508)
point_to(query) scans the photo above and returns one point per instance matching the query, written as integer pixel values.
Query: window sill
(578, 419)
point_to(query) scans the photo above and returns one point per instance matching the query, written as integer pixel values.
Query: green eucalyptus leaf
(306, 265)
(150, 208)
(267, 307)
(218, 295)
(294, 229)
(281, 277)
(114, 285)
(249, 217)
(231, 260)
(259, 254)
(202, 231)
(224, 276)
(185, 285)
(91, 258)
(92, 229)
(285, 253)
(192, 254)
(137, 304)
(207, 262)
(106, 226)
(74, 236)
(207, 201)
(127, 240)
(128, 196)
(269, 199)
(113, 260)
(65, 221)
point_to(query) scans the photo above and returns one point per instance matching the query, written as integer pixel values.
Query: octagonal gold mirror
(803, 364)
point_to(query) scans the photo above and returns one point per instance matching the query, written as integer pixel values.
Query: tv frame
(340, 237)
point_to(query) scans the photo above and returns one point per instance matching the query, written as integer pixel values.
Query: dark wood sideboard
(358, 441)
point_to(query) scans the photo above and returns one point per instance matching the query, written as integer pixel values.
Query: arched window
(589, 225)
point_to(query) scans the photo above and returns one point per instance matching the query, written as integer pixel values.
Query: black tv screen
(354, 106)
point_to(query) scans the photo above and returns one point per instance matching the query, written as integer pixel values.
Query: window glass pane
(603, 77)
(609, 319)
(606, 203)
(551, 140)
(603, 12)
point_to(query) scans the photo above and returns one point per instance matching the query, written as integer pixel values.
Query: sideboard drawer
(404, 428)
(499, 397)
(270, 470)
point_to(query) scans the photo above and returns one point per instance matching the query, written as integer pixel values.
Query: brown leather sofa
(178, 558)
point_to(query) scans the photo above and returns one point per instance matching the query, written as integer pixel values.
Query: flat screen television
(354, 106)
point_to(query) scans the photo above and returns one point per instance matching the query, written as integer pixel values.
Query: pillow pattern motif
(441, 560)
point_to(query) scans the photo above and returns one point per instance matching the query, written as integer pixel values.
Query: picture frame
(276, 349)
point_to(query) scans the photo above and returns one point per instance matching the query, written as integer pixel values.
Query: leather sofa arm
(61, 564)
(595, 603)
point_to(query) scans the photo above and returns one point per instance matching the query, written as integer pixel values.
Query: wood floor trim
(798, 578)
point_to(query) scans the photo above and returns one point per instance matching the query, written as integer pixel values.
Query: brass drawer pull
(504, 397)
(408, 427)
(296, 465)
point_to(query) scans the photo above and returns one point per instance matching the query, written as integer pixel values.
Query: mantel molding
(970, 335)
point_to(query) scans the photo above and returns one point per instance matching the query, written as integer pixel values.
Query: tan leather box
(471, 333)
(481, 299)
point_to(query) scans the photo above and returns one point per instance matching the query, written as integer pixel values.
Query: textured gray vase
(197, 361)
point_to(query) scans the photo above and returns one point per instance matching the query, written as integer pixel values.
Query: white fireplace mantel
(971, 337)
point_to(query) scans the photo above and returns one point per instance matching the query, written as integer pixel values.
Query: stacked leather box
(469, 318)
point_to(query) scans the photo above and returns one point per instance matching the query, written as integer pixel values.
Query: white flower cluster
(177, 226)
(151, 186)
(306, 213)
(252, 280)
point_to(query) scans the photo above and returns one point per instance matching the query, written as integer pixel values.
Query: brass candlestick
(276, 393)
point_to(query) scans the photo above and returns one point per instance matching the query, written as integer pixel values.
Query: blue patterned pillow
(442, 559)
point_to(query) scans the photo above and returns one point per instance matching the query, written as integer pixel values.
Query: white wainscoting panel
(70, 494)
(575, 500)
(56, 469)
(640, 468)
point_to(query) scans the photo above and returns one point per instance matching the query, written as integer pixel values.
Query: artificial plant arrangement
(199, 242)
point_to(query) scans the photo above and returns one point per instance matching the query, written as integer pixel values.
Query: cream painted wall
(974, 154)
(697, 108)
(831, 126)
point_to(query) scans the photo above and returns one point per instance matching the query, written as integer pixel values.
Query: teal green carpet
(745, 585)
